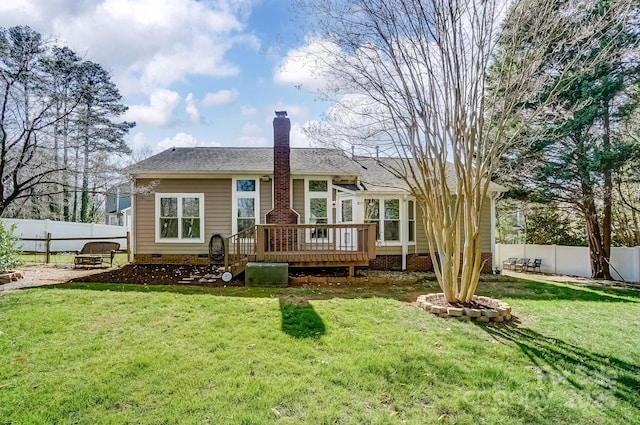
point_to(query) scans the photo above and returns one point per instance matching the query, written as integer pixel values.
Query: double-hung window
(179, 217)
(392, 220)
(246, 203)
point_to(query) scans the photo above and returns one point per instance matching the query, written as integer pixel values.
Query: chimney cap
(281, 114)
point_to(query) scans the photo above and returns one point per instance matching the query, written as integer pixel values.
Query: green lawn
(116, 354)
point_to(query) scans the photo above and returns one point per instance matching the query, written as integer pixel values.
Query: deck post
(371, 241)
(260, 231)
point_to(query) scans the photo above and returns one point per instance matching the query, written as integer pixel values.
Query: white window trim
(234, 200)
(179, 196)
(404, 226)
(328, 195)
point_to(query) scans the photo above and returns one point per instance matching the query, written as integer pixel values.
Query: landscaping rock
(455, 311)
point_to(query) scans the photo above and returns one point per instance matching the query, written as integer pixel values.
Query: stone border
(10, 276)
(492, 310)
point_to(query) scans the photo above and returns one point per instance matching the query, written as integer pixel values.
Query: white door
(347, 237)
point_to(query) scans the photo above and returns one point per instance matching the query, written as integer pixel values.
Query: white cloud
(192, 109)
(248, 110)
(298, 138)
(154, 42)
(159, 111)
(304, 67)
(182, 140)
(222, 97)
(138, 141)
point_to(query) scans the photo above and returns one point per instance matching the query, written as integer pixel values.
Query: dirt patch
(154, 274)
(47, 275)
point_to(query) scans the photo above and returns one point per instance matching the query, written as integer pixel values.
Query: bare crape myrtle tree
(437, 83)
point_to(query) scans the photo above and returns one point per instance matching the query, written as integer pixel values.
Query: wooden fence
(48, 239)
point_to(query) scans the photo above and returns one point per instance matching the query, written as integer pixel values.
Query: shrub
(9, 248)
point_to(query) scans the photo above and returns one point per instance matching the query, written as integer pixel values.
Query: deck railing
(302, 245)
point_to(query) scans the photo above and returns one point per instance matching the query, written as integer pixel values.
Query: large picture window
(386, 214)
(179, 217)
(246, 204)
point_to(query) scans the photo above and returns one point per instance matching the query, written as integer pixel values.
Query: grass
(115, 354)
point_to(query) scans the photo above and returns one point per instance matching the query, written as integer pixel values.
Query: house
(304, 206)
(117, 205)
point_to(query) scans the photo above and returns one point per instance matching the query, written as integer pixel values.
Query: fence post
(48, 248)
(128, 246)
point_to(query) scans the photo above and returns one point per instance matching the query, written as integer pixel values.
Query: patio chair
(509, 263)
(533, 265)
(521, 265)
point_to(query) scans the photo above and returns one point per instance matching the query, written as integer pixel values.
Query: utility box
(266, 274)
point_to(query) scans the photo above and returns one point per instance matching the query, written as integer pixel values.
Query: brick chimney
(281, 212)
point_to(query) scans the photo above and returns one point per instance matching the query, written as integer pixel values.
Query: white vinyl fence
(573, 260)
(38, 229)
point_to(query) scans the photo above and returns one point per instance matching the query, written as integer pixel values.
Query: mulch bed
(153, 274)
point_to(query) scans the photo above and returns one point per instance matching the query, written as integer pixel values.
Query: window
(347, 210)
(411, 221)
(318, 201)
(391, 219)
(179, 217)
(372, 214)
(245, 204)
(386, 214)
(318, 185)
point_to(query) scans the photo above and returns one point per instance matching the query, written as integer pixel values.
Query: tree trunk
(607, 195)
(84, 200)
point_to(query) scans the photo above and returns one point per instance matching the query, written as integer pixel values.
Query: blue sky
(193, 73)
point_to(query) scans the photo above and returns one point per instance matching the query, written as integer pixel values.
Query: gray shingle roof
(379, 175)
(244, 160)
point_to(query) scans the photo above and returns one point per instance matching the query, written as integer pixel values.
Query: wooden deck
(302, 245)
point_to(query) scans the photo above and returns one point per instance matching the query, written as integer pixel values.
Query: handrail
(301, 243)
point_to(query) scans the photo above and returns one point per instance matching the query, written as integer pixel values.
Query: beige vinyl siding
(217, 214)
(265, 199)
(422, 245)
(298, 198)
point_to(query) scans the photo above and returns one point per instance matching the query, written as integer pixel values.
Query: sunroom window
(372, 214)
(179, 217)
(391, 219)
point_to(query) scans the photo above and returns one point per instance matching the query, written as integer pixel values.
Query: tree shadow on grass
(534, 290)
(299, 319)
(600, 380)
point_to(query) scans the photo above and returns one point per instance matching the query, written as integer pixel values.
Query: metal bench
(94, 253)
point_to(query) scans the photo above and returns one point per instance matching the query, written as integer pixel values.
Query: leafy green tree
(573, 153)
(411, 76)
(9, 248)
(59, 125)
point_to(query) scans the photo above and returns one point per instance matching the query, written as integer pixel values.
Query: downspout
(493, 197)
(404, 232)
(132, 229)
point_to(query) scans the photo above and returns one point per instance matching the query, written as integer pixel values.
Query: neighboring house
(321, 199)
(118, 211)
